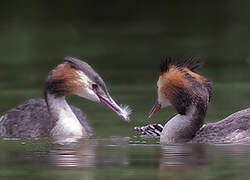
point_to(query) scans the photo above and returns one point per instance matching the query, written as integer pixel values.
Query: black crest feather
(166, 63)
(191, 63)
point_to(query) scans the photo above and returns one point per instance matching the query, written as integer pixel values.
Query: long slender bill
(156, 108)
(122, 111)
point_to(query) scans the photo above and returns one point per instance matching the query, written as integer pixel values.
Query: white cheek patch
(88, 94)
(161, 97)
(163, 101)
(85, 89)
(84, 80)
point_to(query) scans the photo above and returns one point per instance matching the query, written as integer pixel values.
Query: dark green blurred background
(124, 41)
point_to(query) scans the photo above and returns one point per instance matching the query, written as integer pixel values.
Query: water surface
(124, 42)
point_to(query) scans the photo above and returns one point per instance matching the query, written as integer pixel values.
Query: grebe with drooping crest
(52, 116)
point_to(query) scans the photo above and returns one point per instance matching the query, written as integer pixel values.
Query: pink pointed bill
(123, 112)
(156, 108)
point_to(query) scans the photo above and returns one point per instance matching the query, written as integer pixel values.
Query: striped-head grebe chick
(189, 93)
(53, 117)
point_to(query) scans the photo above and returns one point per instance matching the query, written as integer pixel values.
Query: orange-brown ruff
(181, 86)
(172, 81)
(189, 93)
(64, 73)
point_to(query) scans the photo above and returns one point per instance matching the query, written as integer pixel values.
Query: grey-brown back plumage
(233, 129)
(32, 119)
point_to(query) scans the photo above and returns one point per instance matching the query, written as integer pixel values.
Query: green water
(124, 42)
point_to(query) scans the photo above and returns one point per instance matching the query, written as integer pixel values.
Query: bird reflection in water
(83, 155)
(91, 154)
(183, 156)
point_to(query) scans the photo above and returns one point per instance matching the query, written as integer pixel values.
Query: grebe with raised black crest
(189, 93)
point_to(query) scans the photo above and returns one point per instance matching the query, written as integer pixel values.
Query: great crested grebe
(189, 93)
(53, 117)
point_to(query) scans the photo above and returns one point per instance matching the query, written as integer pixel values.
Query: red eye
(94, 86)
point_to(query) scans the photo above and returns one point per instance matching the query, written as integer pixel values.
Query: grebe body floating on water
(52, 116)
(189, 93)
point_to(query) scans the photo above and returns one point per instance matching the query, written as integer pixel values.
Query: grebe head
(77, 77)
(180, 86)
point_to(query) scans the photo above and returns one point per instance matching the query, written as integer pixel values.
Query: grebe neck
(182, 128)
(64, 122)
